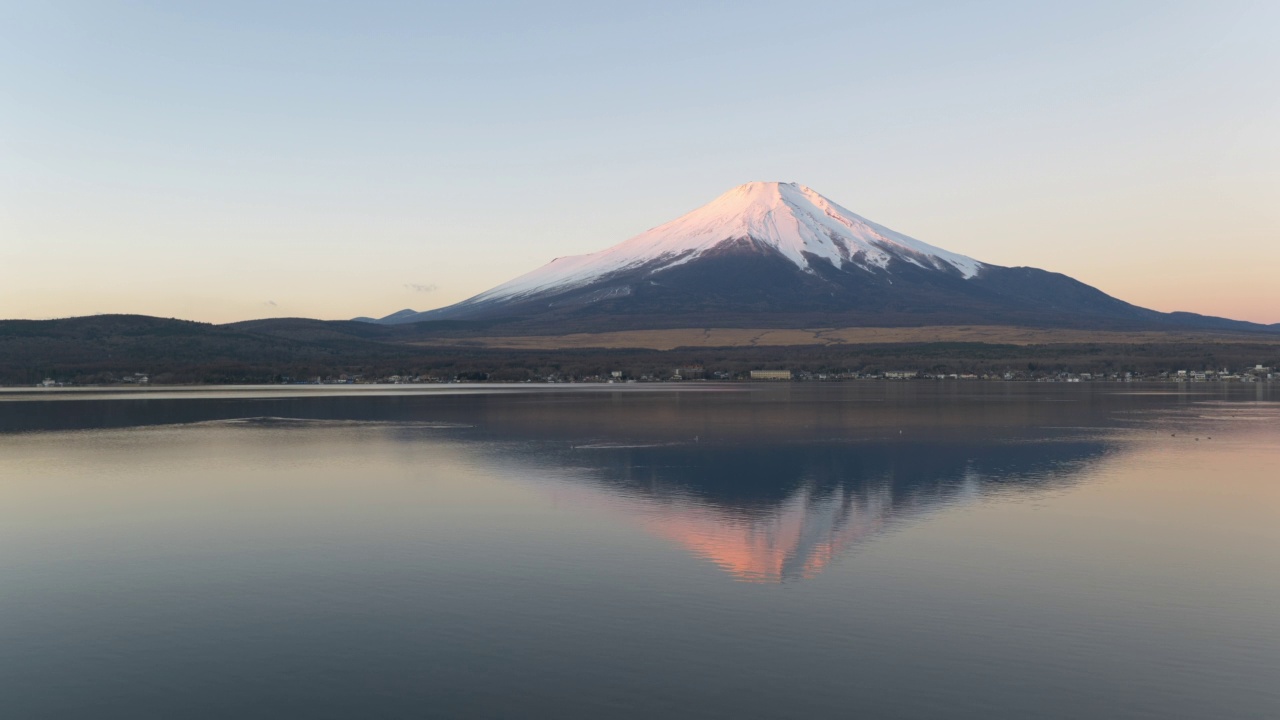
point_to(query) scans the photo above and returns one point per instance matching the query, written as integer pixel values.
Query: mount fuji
(769, 254)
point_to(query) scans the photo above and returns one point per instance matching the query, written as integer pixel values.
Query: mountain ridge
(768, 254)
(107, 349)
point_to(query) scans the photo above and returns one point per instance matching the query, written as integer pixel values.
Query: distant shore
(122, 350)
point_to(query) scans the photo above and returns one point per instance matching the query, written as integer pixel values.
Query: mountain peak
(759, 187)
(759, 194)
(789, 219)
(779, 254)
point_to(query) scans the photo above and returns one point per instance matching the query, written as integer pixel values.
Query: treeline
(107, 349)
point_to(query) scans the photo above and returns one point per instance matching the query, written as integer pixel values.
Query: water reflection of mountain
(779, 482)
(770, 513)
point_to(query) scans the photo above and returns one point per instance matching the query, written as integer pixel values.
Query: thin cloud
(270, 303)
(418, 287)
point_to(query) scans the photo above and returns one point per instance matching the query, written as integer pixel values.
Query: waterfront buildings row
(1255, 374)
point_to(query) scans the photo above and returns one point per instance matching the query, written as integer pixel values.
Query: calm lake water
(878, 550)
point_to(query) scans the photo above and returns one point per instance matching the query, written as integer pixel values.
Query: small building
(694, 372)
(770, 374)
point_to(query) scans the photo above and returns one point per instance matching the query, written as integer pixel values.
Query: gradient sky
(230, 160)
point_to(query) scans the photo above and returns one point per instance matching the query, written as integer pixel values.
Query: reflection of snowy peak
(786, 218)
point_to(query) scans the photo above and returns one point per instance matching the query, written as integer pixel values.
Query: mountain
(768, 254)
(100, 348)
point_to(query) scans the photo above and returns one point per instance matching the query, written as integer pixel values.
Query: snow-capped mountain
(780, 254)
(788, 219)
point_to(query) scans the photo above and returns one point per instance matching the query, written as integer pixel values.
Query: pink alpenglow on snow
(788, 218)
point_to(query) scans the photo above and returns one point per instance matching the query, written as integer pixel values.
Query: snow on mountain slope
(790, 219)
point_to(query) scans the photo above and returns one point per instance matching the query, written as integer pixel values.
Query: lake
(863, 549)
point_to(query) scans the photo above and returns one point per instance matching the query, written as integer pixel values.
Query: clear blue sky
(228, 160)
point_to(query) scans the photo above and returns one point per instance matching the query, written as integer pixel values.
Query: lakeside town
(1257, 373)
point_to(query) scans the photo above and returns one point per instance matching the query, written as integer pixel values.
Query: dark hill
(101, 348)
(111, 348)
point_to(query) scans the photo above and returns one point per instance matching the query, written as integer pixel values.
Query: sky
(223, 161)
